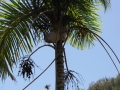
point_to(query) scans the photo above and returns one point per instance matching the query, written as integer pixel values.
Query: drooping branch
(39, 75)
(43, 71)
(71, 79)
(27, 64)
(105, 43)
(41, 47)
(64, 50)
(108, 54)
(97, 36)
(69, 76)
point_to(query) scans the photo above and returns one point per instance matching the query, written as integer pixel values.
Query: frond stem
(108, 54)
(41, 47)
(43, 71)
(66, 61)
(39, 75)
(97, 36)
(106, 44)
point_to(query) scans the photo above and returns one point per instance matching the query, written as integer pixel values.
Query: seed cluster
(26, 67)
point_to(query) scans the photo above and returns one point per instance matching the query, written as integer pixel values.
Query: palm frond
(78, 37)
(17, 30)
(72, 80)
(105, 3)
(97, 36)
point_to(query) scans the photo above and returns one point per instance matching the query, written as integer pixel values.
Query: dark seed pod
(26, 66)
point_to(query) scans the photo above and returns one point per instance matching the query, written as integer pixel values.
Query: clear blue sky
(92, 63)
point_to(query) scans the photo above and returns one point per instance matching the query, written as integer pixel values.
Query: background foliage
(106, 84)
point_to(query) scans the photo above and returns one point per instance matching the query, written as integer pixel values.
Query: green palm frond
(16, 30)
(105, 3)
(88, 18)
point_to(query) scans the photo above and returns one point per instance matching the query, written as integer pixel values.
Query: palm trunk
(59, 65)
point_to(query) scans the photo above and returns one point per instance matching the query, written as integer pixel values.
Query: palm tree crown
(24, 23)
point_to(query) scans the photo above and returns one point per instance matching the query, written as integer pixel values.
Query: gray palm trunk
(59, 65)
(57, 36)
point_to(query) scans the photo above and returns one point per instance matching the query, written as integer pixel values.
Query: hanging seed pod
(26, 66)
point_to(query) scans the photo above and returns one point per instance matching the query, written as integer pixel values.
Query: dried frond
(72, 80)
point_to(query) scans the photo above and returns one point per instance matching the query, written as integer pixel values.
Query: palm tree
(24, 23)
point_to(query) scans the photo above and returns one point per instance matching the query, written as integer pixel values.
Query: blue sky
(93, 64)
